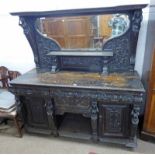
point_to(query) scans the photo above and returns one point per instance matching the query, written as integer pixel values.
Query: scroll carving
(28, 26)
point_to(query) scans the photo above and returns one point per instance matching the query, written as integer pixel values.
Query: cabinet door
(114, 120)
(35, 112)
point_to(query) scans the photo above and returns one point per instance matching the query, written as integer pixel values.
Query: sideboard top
(81, 11)
(128, 81)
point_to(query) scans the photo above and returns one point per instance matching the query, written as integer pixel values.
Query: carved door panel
(35, 110)
(114, 120)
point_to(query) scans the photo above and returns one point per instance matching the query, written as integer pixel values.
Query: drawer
(31, 91)
(70, 100)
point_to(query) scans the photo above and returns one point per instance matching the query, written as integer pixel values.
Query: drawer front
(41, 91)
(67, 100)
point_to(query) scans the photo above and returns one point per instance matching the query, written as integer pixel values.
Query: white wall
(15, 51)
(142, 42)
(150, 44)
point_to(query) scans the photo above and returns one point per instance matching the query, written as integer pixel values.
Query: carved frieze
(100, 95)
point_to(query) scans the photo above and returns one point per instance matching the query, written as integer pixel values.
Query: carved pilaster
(136, 23)
(134, 120)
(50, 113)
(94, 118)
(134, 123)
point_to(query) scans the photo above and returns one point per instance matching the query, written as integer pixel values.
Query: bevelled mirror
(88, 33)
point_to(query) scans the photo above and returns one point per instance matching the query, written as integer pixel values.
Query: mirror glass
(83, 32)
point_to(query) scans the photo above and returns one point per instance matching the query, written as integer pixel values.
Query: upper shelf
(81, 11)
(80, 53)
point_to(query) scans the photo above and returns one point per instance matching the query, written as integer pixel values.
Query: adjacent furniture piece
(148, 132)
(82, 90)
(6, 75)
(8, 109)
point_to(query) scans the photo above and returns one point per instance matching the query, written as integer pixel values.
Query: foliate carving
(100, 95)
(121, 53)
(136, 20)
(46, 45)
(135, 114)
(72, 102)
(40, 45)
(113, 117)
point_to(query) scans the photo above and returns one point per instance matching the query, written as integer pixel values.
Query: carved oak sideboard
(84, 84)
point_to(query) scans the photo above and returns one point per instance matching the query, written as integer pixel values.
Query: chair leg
(17, 126)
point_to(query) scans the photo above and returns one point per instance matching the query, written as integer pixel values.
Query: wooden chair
(8, 110)
(13, 74)
(4, 76)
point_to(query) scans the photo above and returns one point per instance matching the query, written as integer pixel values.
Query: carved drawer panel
(114, 120)
(32, 91)
(71, 101)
